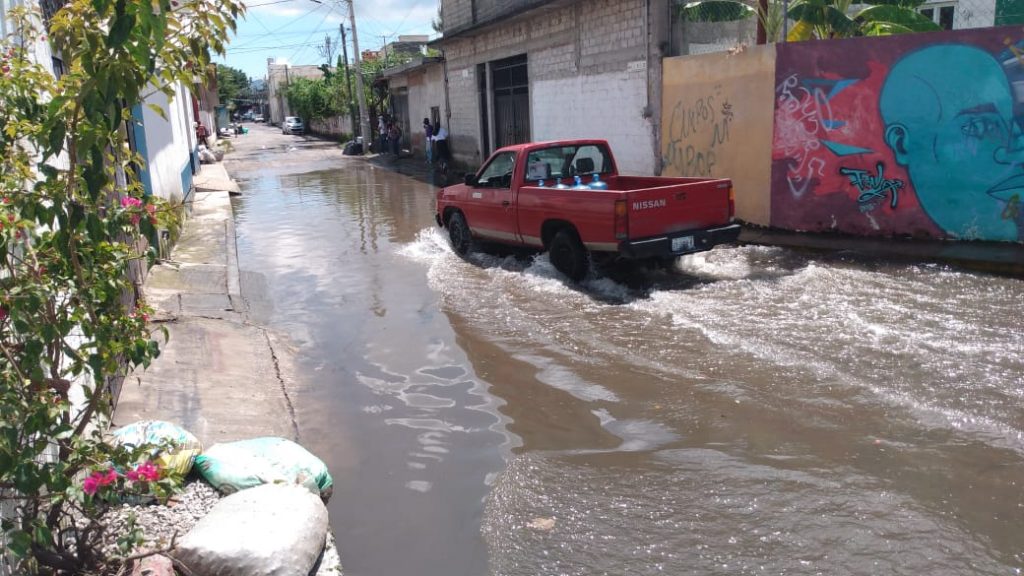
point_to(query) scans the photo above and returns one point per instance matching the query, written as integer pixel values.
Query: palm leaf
(896, 18)
(822, 14)
(800, 31)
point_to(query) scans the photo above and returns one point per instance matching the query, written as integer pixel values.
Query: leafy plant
(313, 99)
(836, 19)
(74, 220)
(819, 19)
(232, 83)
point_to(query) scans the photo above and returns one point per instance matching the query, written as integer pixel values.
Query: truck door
(492, 212)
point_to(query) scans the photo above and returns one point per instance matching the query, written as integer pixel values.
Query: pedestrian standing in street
(395, 137)
(428, 131)
(382, 134)
(441, 144)
(202, 133)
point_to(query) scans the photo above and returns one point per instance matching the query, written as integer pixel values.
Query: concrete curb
(1002, 258)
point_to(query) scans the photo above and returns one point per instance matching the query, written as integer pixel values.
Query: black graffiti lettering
(694, 132)
(873, 189)
(721, 129)
(699, 163)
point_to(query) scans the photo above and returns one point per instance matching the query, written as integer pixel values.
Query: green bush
(68, 233)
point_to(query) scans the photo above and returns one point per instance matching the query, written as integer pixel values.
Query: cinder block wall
(588, 77)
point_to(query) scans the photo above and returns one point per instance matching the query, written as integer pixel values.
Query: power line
(268, 3)
(283, 26)
(330, 10)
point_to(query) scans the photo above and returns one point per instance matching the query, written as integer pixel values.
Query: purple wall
(916, 134)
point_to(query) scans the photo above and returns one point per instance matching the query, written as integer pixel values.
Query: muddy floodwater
(756, 410)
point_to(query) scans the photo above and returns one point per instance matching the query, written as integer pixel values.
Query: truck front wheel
(459, 235)
(569, 256)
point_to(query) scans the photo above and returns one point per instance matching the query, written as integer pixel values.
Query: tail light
(732, 203)
(621, 220)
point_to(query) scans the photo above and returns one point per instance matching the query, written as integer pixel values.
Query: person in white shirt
(441, 143)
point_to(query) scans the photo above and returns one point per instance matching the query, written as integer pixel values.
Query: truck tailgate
(676, 208)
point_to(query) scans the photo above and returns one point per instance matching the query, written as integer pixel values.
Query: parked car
(568, 198)
(258, 118)
(292, 125)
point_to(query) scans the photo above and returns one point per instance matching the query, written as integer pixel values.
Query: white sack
(269, 530)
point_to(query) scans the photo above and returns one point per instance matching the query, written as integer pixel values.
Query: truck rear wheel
(459, 234)
(569, 256)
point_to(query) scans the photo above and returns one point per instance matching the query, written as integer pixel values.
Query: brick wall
(426, 90)
(457, 14)
(586, 74)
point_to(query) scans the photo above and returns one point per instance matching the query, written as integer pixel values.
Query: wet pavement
(754, 411)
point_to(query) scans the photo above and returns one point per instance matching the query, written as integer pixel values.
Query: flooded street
(754, 411)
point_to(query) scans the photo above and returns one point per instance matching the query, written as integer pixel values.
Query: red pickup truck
(568, 198)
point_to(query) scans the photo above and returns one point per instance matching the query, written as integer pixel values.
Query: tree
(71, 221)
(818, 18)
(378, 99)
(438, 22)
(232, 83)
(832, 19)
(312, 99)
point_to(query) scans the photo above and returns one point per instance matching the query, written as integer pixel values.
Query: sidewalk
(218, 376)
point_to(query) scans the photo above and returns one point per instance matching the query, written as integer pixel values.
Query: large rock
(269, 530)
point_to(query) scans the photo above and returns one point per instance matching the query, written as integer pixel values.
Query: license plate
(682, 243)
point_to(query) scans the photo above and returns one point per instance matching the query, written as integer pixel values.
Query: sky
(292, 30)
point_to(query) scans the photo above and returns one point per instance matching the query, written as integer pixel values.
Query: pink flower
(91, 485)
(3, 314)
(133, 475)
(107, 478)
(149, 471)
(135, 219)
(130, 202)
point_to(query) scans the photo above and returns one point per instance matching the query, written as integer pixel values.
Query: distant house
(529, 70)
(417, 92)
(278, 78)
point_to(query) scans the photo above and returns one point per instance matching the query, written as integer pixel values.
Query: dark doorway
(485, 132)
(400, 108)
(511, 84)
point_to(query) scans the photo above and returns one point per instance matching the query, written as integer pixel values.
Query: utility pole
(348, 77)
(364, 117)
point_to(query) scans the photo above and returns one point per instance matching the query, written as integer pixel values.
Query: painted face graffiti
(957, 136)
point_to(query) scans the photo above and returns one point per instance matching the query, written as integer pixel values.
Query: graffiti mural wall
(918, 134)
(717, 122)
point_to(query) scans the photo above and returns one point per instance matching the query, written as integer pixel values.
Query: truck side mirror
(471, 179)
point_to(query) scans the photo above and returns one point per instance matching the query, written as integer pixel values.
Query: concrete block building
(417, 92)
(529, 70)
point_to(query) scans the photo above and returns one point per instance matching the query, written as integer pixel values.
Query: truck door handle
(505, 203)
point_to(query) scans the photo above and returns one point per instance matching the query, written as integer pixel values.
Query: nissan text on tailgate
(568, 198)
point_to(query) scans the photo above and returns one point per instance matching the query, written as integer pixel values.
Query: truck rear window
(567, 161)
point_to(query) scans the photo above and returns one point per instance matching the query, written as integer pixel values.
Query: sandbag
(206, 157)
(269, 530)
(175, 448)
(235, 466)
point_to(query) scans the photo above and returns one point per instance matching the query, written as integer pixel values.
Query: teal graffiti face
(948, 111)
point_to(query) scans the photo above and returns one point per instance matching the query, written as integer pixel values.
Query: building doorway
(511, 85)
